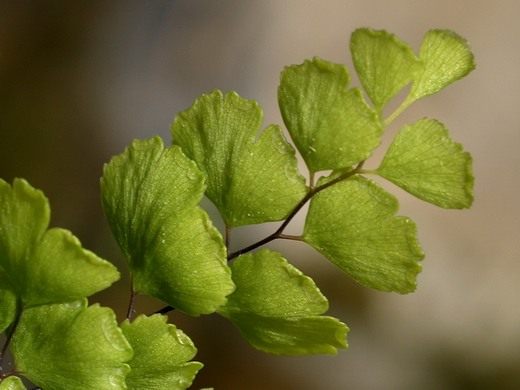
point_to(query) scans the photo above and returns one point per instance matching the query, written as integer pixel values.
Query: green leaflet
(12, 383)
(384, 63)
(277, 308)
(424, 161)
(71, 346)
(7, 304)
(161, 355)
(331, 125)
(150, 196)
(44, 266)
(446, 57)
(251, 178)
(352, 223)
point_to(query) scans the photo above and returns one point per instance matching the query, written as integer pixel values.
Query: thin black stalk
(227, 233)
(278, 233)
(131, 302)
(165, 310)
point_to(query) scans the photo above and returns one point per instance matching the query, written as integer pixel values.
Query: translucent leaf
(150, 196)
(384, 63)
(12, 383)
(277, 308)
(331, 125)
(161, 355)
(352, 223)
(7, 303)
(424, 161)
(71, 346)
(44, 266)
(252, 178)
(446, 57)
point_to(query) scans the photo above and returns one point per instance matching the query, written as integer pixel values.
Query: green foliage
(41, 265)
(384, 63)
(7, 304)
(250, 179)
(446, 57)
(71, 346)
(277, 308)
(161, 355)
(12, 383)
(424, 161)
(331, 125)
(151, 195)
(363, 237)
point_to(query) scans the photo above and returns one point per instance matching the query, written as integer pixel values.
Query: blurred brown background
(80, 79)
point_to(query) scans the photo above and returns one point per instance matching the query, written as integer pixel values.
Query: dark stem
(131, 302)
(278, 233)
(9, 336)
(227, 233)
(165, 310)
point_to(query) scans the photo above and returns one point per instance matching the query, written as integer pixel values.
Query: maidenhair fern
(151, 196)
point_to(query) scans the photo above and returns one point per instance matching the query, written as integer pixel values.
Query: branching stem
(131, 302)
(227, 236)
(279, 232)
(165, 310)
(399, 110)
(290, 237)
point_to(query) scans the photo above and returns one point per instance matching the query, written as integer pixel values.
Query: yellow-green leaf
(384, 63)
(352, 223)
(252, 176)
(426, 162)
(71, 346)
(44, 266)
(150, 196)
(446, 57)
(278, 309)
(162, 355)
(12, 383)
(331, 125)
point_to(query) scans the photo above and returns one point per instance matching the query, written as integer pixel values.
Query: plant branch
(399, 110)
(164, 310)
(227, 234)
(290, 237)
(311, 180)
(279, 232)
(131, 302)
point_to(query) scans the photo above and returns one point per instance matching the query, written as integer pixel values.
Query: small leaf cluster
(151, 195)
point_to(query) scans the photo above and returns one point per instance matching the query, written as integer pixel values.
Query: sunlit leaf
(352, 223)
(252, 177)
(278, 309)
(384, 63)
(331, 125)
(150, 196)
(162, 355)
(71, 346)
(446, 57)
(12, 383)
(44, 266)
(425, 161)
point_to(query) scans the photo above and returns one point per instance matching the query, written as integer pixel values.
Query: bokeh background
(80, 79)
